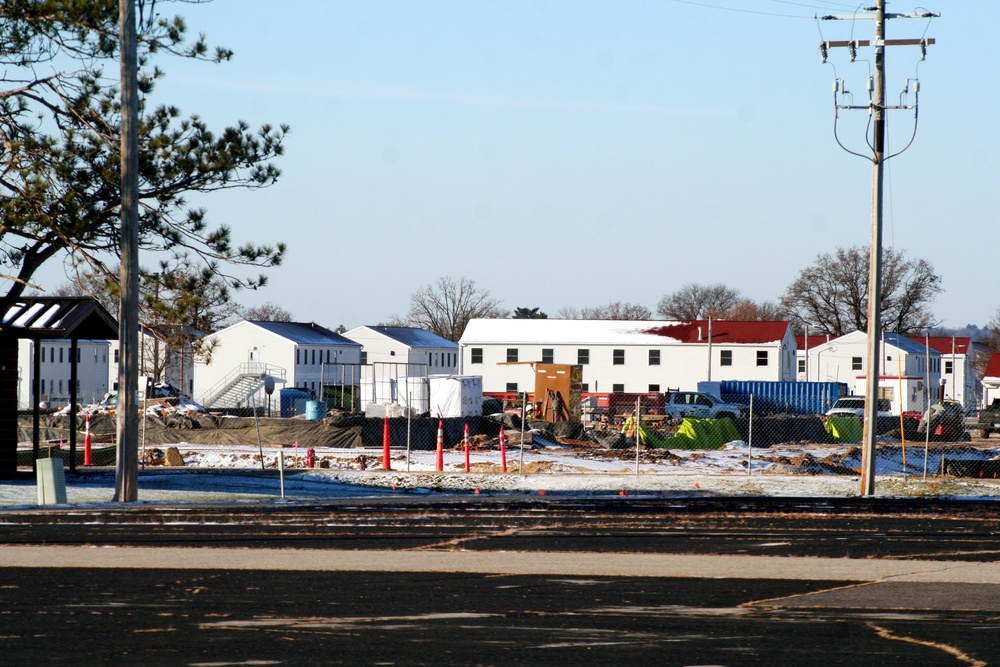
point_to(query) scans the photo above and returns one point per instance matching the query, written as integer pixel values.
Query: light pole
(819, 367)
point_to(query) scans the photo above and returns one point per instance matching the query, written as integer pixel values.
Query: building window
(364, 358)
(583, 356)
(548, 354)
(654, 388)
(726, 358)
(947, 367)
(654, 358)
(60, 360)
(802, 365)
(618, 387)
(512, 386)
(585, 387)
(855, 363)
(314, 357)
(476, 355)
(618, 357)
(117, 353)
(297, 359)
(511, 354)
(762, 357)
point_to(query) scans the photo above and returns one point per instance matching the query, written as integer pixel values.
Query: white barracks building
(627, 355)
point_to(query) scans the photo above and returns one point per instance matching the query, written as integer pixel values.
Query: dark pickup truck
(989, 419)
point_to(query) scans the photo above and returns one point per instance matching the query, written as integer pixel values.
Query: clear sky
(575, 152)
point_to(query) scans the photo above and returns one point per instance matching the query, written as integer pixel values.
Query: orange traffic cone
(87, 453)
(439, 463)
(386, 464)
(503, 450)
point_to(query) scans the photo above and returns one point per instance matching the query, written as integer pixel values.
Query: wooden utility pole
(127, 466)
(870, 428)
(877, 108)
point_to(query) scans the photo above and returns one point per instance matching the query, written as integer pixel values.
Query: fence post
(465, 444)
(750, 438)
(638, 425)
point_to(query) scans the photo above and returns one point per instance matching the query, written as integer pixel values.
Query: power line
(741, 11)
(817, 7)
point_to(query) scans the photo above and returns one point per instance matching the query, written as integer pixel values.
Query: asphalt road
(504, 581)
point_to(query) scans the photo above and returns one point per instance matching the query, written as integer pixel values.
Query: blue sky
(571, 153)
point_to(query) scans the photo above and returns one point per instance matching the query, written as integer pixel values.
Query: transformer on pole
(876, 108)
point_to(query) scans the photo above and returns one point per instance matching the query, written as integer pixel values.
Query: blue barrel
(315, 409)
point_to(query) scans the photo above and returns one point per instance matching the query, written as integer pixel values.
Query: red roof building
(991, 379)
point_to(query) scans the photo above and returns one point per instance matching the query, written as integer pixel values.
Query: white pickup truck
(680, 404)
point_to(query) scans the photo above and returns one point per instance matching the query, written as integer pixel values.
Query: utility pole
(877, 108)
(127, 465)
(870, 429)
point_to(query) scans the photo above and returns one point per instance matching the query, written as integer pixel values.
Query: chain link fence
(638, 434)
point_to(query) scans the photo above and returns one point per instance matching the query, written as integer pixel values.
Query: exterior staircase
(236, 388)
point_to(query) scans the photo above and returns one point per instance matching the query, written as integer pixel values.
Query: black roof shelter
(43, 318)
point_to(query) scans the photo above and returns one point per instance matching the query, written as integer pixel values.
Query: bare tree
(569, 313)
(993, 328)
(747, 310)
(98, 286)
(447, 306)
(266, 312)
(698, 302)
(617, 310)
(177, 306)
(831, 295)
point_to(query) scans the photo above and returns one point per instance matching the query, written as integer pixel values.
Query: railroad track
(841, 527)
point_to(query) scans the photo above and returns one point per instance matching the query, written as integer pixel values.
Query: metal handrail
(245, 369)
